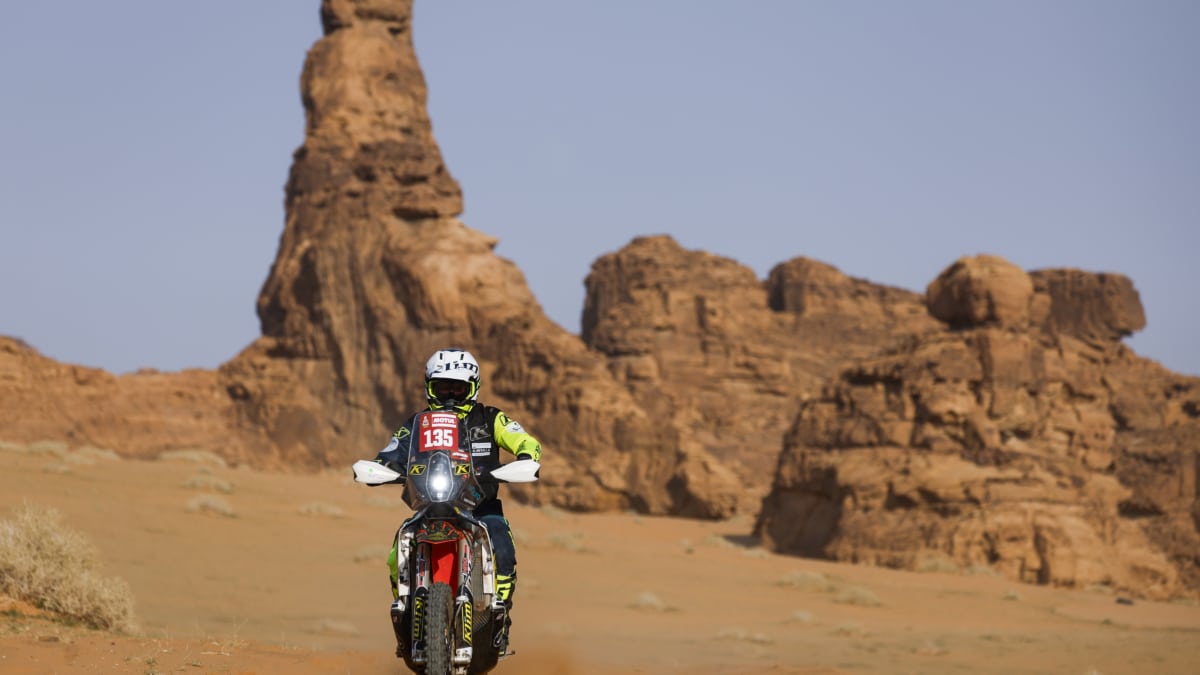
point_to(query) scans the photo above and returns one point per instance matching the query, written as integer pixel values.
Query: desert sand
(240, 571)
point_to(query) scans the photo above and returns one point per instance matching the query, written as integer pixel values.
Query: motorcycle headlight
(441, 479)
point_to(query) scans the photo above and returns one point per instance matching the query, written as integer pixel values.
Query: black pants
(491, 514)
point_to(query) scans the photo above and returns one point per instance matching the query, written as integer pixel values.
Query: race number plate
(438, 431)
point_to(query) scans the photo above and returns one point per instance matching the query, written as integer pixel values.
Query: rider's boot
(505, 585)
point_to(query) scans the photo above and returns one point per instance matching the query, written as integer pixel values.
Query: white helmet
(451, 379)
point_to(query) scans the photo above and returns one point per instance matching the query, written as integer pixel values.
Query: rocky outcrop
(143, 414)
(1097, 307)
(702, 343)
(1005, 440)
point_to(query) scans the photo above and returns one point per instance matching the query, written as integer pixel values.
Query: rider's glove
(524, 455)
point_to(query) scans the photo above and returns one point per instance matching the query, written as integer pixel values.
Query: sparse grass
(848, 629)
(930, 648)
(44, 563)
(718, 541)
(980, 570)
(742, 635)
(801, 616)
(553, 512)
(1012, 595)
(756, 552)
(102, 454)
(194, 456)
(207, 481)
(88, 456)
(211, 504)
(937, 564)
(56, 448)
(808, 581)
(1099, 588)
(858, 596)
(651, 602)
(322, 509)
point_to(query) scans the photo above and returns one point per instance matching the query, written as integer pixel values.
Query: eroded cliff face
(700, 342)
(1017, 438)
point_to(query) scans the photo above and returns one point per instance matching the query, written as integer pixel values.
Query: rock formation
(701, 342)
(1017, 438)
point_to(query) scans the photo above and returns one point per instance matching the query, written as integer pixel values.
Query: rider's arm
(395, 455)
(511, 436)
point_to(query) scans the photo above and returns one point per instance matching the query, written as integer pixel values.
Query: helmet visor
(446, 390)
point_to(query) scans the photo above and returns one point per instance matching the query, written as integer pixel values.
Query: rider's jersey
(488, 430)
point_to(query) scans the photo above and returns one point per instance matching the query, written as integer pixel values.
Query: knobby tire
(440, 641)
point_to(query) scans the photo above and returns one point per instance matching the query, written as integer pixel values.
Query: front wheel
(439, 640)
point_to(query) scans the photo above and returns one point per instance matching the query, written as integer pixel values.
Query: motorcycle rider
(452, 382)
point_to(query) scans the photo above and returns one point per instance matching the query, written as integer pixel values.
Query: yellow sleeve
(511, 436)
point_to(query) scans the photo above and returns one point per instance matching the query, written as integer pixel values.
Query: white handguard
(520, 471)
(373, 473)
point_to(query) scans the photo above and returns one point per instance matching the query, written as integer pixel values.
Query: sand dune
(240, 571)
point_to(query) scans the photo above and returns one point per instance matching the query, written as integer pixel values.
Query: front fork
(450, 562)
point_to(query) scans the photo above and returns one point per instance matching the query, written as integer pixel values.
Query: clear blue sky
(144, 145)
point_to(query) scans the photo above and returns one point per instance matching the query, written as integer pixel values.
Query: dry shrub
(981, 570)
(718, 541)
(195, 457)
(809, 581)
(207, 481)
(53, 568)
(650, 601)
(858, 596)
(56, 448)
(937, 564)
(801, 616)
(211, 504)
(930, 648)
(849, 629)
(742, 635)
(102, 454)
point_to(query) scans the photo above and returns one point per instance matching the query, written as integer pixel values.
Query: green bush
(53, 568)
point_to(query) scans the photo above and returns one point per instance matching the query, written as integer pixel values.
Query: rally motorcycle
(448, 619)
